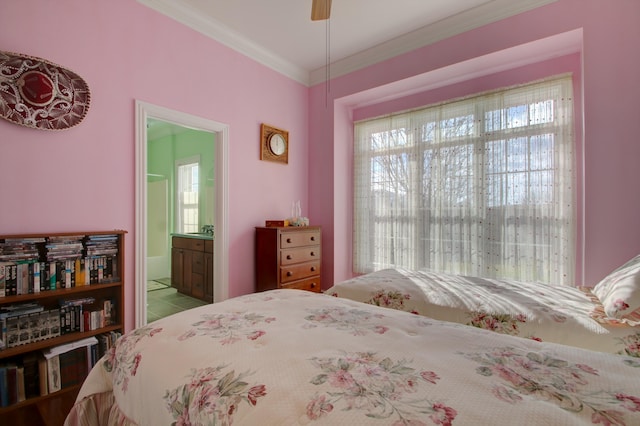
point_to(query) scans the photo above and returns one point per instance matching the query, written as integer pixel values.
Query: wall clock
(274, 144)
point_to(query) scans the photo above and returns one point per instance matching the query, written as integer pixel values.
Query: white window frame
(181, 225)
(391, 224)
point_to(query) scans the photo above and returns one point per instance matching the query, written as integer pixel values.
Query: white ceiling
(281, 35)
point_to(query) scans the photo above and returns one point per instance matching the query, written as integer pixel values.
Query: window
(187, 194)
(481, 186)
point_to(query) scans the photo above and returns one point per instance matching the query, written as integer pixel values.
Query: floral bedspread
(290, 357)
(561, 314)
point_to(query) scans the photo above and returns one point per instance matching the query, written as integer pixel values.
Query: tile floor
(163, 301)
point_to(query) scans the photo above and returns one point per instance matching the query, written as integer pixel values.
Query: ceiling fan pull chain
(328, 62)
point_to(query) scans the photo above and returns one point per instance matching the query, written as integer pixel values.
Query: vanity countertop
(197, 235)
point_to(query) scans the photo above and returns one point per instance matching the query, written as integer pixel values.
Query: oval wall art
(40, 94)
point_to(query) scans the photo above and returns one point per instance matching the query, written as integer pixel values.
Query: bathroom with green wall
(167, 144)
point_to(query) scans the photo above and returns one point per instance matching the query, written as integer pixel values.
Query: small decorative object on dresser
(296, 218)
(280, 223)
(288, 257)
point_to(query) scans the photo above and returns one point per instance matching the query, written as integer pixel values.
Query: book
(24, 330)
(64, 320)
(76, 302)
(67, 273)
(43, 325)
(43, 375)
(54, 323)
(73, 367)
(31, 375)
(44, 276)
(80, 272)
(60, 274)
(12, 384)
(53, 374)
(36, 277)
(13, 332)
(97, 319)
(21, 384)
(20, 309)
(95, 354)
(108, 307)
(35, 329)
(10, 278)
(24, 276)
(3, 274)
(4, 390)
(53, 280)
(106, 341)
(60, 349)
(3, 333)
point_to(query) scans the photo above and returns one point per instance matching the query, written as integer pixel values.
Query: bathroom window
(187, 194)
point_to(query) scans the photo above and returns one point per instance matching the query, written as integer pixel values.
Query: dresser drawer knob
(313, 285)
(288, 257)
(289, 273)
(289, 240)
(313, 238)
(313, 253)
(313, 269)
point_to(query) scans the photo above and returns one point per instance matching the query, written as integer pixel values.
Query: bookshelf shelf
(101, 297)
(34, 401)
(61, 340)
(61, 293)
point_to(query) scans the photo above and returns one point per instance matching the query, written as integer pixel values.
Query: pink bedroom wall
(83, 178)
(606, 96)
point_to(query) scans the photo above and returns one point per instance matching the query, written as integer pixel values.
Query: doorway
(146, 113)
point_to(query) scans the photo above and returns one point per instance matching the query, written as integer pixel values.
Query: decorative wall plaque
(40, 94)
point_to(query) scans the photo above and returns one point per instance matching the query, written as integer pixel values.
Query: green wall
(162, 153)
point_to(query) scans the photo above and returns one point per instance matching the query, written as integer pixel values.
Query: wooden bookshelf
(51, 409)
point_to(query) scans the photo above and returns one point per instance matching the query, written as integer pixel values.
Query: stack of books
(25, 323)
(19, 264)
(32, 265)
(59, 367)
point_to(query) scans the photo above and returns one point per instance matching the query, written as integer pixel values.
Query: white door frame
(221, 242)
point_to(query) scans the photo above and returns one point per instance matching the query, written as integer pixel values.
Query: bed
(605, 318)
(292, 357)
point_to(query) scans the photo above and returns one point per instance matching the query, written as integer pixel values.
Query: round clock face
(277, 144)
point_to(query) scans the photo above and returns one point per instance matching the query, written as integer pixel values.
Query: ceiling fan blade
(320, 10)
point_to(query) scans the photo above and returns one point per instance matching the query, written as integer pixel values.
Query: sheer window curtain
(480, 186)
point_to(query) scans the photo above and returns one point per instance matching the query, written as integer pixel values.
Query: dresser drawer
(299, 255)
(197, 263)
(299, 239)
(299, 271)
(197, 286)
(195, 244)
(309, 284)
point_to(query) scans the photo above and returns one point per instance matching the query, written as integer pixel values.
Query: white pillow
(619, 291)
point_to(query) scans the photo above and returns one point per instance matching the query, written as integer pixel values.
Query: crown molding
(227, 36)
(484, 14)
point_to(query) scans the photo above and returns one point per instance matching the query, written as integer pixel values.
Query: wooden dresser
(288, 257)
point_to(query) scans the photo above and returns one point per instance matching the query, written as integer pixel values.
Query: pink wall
(602, 33)
(83, 178)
